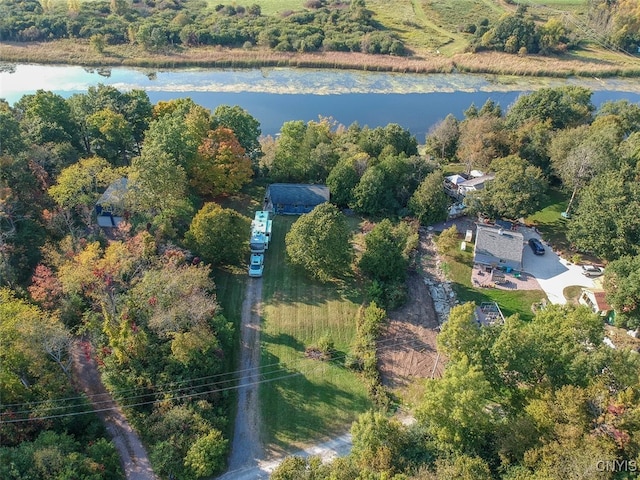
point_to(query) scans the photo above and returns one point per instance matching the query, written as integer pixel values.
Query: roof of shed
(114, 194)
(499, 243)
(298, 194)
(600, 298)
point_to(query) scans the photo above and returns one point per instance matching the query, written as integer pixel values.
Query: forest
(316, 25)
(517, 401)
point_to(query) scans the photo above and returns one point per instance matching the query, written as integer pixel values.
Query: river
(276, 95)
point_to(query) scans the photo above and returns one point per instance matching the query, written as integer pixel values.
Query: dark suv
(536, 246)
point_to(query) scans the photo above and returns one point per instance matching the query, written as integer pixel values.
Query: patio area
(491, 277)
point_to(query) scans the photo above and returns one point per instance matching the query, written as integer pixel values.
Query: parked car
(256, 265)
(592, 270)
(536, 246)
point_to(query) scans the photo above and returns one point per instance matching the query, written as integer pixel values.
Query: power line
(390, 343)
(160, 388)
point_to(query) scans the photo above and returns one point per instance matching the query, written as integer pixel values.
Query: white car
(592, 270)
(256, 265)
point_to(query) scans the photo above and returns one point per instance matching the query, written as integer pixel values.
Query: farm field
(312, 399)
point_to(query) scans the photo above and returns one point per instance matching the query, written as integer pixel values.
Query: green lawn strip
(572, 293)
(318, 398)
(549, 221)
(230, 287)
(458, 268)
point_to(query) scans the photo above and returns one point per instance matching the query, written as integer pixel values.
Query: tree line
(144, 301)
(320, 25)
(168, 24)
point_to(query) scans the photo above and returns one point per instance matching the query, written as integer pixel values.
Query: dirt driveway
(407, 347)
(246, 449)
(133, 455)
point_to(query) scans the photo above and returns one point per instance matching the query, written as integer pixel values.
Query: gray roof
(456, 179)
(474, 182)
(297, 194)
(495, 245)
(114, 194)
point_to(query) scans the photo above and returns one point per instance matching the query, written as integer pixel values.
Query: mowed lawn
(308, 400)
(549, 221)
(458, 268)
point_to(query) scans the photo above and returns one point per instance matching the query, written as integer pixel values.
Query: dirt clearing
(407, 346)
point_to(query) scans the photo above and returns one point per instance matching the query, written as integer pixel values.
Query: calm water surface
(276, 95)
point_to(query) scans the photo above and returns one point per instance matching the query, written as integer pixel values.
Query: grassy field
(320, 398)
(458, 267)
(268, 7)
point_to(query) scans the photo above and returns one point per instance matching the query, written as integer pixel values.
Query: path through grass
(318, 398)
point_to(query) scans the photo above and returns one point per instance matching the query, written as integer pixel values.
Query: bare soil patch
(407, 347)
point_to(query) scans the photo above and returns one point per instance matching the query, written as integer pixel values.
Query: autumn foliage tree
(221, 164)
(219, 235)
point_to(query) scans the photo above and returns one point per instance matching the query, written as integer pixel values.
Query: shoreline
(66, 52)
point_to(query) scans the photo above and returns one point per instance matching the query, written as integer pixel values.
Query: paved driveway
(552, 272)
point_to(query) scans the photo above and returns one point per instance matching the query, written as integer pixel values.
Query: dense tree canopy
(565, 107)
(219, 235)
(221, 164)
(319, 242)
(605, 222)
(622, 284)
(442, 139)
(429, 203)
(242, 124)
(80, 184)
(516, 191)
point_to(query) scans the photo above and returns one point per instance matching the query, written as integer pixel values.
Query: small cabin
(595, 299)
(110, 208)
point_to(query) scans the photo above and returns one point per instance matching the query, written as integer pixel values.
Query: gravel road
(246, 448)
(133, 455)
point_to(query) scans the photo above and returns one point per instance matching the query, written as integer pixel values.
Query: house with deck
(474, 184)
(497, 247)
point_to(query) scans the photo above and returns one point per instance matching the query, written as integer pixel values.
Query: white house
(474, 184)
(595, 299)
